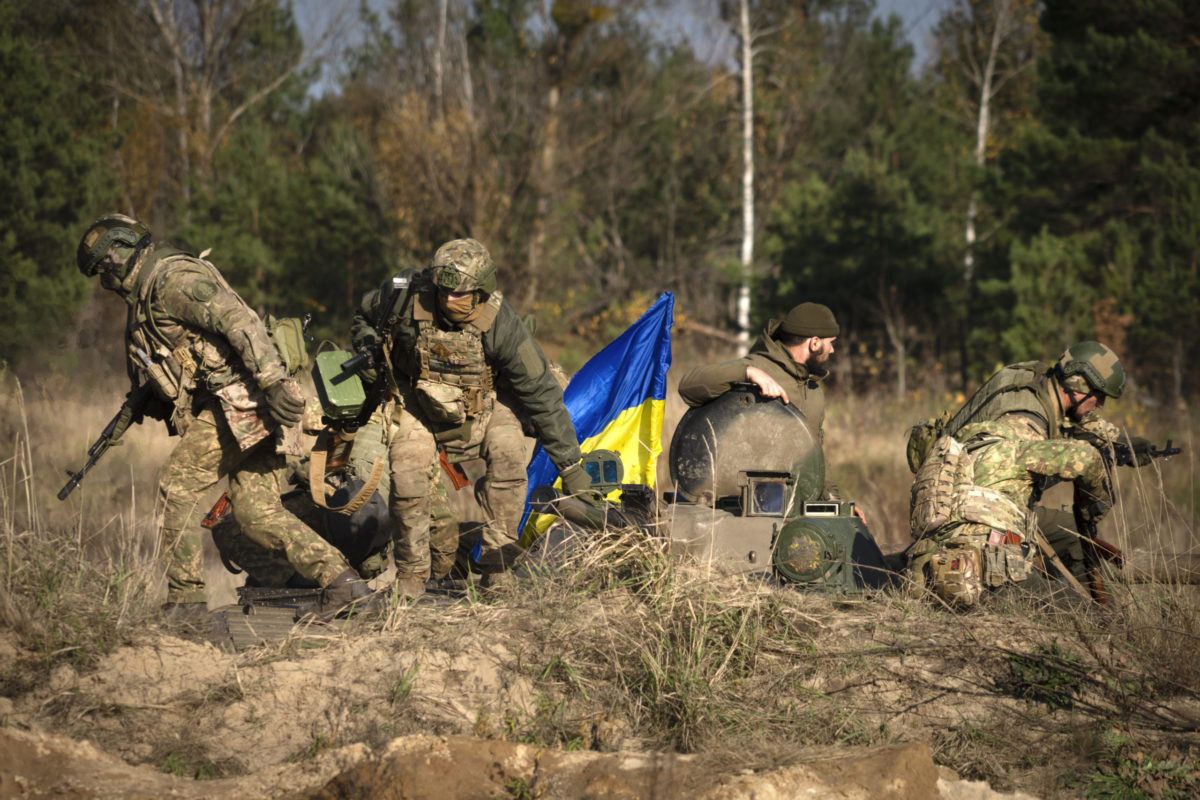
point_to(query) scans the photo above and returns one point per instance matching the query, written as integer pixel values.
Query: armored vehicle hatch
(720, 447)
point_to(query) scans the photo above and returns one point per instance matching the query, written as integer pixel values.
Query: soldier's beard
(460, 309)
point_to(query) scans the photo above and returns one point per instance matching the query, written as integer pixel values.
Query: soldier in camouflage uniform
(220, 384)
(978, 485)
(363, 537)
(463, 371)
(788, 360)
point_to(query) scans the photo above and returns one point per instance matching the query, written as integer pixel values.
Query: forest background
(1035, 181)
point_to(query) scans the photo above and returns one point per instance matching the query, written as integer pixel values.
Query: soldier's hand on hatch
(285, 402)
(858, 512)
(767, 386)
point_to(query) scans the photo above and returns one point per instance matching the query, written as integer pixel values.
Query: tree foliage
(53, 146)
(1104, 186)
(597, 154)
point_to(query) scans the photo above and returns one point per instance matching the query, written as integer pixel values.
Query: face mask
(114, 267)
(110, 281)
(459, 309)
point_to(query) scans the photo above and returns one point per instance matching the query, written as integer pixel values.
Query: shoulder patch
(202, 290)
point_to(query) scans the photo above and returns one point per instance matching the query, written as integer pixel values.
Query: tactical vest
(454, 383)
(944, 493)
(174, 368)
(1016, 388)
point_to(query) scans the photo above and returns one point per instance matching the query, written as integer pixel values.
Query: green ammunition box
(342, 394)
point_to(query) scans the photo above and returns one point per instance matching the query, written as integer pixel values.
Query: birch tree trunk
(986, 45)
(743, 296)
(982, 129)
(439, 55)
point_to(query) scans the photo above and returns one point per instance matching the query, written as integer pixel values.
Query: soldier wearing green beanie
(786, 361)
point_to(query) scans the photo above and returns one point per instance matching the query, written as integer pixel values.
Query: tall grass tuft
(70, 592)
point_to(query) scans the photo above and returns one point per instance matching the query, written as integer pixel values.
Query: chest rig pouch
(170, 368)
(454, 384)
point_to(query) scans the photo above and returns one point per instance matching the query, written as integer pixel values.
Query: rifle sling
(320, 491)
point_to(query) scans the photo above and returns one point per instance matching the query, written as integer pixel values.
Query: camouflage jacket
(514, 361)
(1013, 457)
(194, 337)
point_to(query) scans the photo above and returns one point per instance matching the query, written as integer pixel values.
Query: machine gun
(131, 411)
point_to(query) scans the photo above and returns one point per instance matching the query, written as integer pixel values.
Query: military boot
(348, 594)
(410, 587)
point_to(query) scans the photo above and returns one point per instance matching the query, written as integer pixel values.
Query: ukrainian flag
(616, 401)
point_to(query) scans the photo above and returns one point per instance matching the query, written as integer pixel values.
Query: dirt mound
(428, 767)
(711, 688)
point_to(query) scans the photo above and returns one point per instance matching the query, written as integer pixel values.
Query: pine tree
(52, 145)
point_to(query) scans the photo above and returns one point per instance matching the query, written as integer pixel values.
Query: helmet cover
(105, 233)
(1097, 365)
(464, 265)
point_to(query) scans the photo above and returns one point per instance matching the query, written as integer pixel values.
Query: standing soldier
(462, 369)
(219, 382)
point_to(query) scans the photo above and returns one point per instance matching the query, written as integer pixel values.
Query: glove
(285, 402)
(1141, 446)
(158, 409)
(576, 481)
(368, 341)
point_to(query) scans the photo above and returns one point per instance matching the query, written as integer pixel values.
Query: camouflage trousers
(958, 568)
(497, 438)
(356, 537)
(207, 452)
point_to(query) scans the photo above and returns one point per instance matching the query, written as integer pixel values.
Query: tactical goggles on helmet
(100, 250)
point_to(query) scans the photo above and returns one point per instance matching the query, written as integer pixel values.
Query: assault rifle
(1137, 452)
(131, 411)
(371, 358)
(1141, 452)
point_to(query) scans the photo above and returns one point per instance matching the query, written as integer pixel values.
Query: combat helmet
(105, 233)
(1095, 364)
(464, 265)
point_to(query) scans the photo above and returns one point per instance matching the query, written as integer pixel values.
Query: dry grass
(626, 648)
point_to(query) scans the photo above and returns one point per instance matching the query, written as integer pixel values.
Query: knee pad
(956, 576)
